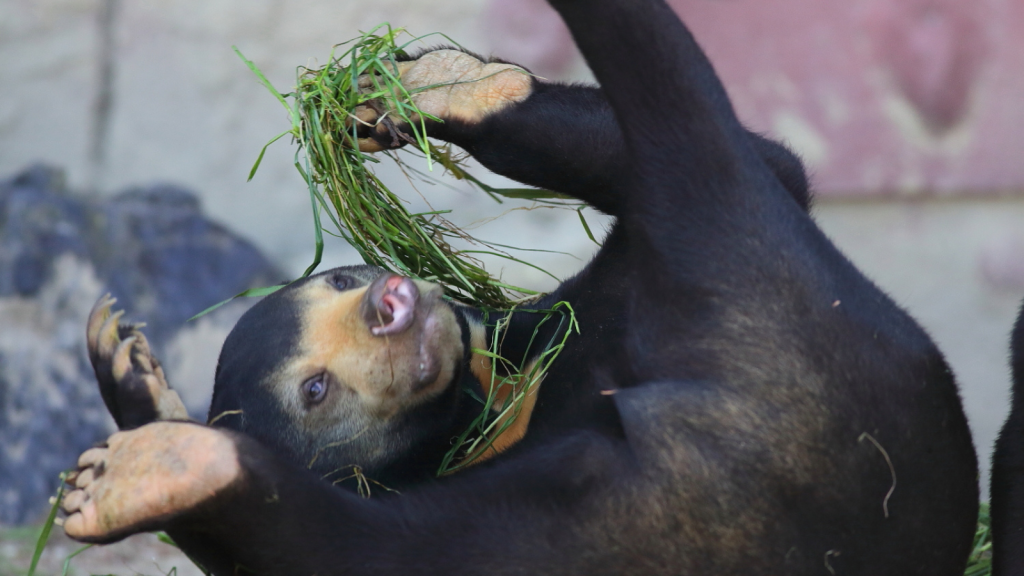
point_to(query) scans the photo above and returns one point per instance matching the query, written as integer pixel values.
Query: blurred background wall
(908, 114)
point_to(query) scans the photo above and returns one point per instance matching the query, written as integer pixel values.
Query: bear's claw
(130, 378)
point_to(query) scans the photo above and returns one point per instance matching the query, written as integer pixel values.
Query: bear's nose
(389, 306)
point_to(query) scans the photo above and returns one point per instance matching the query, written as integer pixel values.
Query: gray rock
(164, 261)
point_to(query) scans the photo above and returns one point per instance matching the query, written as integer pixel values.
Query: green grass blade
(250, 293)
(67, 561)
(44, 533)
(262, 78)
(263, 151)
(587, 227)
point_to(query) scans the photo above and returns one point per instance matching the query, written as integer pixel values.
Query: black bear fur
(1007, 489)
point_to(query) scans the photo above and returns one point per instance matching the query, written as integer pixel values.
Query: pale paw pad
(147, 476)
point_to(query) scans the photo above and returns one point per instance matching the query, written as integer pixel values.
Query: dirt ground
(139, 555)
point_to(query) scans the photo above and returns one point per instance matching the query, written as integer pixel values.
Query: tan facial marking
(384, 375)
(481, 367)
(479, 364)
(517, 430)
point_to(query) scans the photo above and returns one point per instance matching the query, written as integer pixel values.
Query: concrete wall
(956, 266)
(907, 112)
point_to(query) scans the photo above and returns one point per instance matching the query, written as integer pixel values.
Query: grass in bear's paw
(376, 222)
(366, 213)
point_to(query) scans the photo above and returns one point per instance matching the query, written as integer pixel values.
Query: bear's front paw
(142, 479)
(131, 380)
(446, 84)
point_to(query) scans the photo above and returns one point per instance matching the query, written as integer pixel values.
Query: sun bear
(739, 399)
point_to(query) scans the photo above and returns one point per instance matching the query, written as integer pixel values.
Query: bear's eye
(341, 281)
(315, 389)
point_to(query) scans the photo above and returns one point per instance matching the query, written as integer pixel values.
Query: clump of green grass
(980, 561)
(520, 380)
(366, 213)
(376, 222)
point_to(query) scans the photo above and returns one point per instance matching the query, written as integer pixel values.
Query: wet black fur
(1007, 493)
(754, 368)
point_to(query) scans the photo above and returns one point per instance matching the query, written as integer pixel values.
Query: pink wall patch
(880, 97)
(935, 51)
(530, 33)
(1001, 264)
